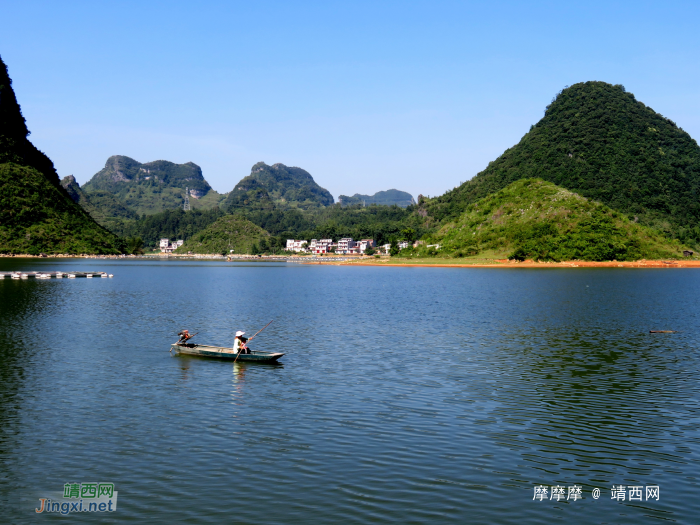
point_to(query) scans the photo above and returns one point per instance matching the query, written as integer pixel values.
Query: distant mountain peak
(387, 198)
(597, 140)
(277, 183)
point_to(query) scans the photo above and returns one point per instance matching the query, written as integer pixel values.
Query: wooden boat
(222, 352)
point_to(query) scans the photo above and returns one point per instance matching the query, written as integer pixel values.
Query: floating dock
(52, 275)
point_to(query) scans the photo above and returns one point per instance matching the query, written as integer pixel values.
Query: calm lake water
(406, 395)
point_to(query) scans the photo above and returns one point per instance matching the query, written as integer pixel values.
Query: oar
(245, 345)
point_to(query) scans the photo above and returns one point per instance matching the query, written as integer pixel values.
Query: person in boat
(239, 343)
(184, 336)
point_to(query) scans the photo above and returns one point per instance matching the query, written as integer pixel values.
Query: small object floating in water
(663, 331)
(223, 352)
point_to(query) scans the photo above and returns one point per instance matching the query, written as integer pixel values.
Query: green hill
(101, 205)
(172, 224)
(36, 213)
(596, 139)
(231, 232)
(534, 219)
(277, 185)
(154, 186)
(387, 198)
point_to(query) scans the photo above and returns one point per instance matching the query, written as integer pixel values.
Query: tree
(135, 246)
(394, 248)
(409, 234)
(369, 251)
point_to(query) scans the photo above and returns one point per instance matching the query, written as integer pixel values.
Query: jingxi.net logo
(80, 497)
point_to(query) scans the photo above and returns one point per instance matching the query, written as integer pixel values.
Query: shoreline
(504, 263)
(393, 262)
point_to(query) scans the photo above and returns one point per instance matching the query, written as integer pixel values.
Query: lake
(406, 395)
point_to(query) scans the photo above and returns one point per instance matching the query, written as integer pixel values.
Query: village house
(322, 246)
(403, 244)
(345, 245)
(167, 247)
(296, 246)
(366, 243)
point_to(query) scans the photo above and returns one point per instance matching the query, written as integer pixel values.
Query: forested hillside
(534, 219)
(36, 213)
(596, 139)
(151, 187)
(277, 184)
(231, 232)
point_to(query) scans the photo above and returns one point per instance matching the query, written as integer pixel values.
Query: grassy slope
(535, 219)
(35, 217)
(597, 140)
(231, 232)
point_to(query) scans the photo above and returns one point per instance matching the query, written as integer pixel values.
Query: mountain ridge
(386, 198)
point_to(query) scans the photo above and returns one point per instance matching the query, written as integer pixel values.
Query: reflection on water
(406, 395)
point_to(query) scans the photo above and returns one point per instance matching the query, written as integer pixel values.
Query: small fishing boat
(222, 352)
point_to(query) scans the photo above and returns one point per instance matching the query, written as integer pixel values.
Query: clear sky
(366, 96)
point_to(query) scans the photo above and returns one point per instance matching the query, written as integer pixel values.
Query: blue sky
(366, 96)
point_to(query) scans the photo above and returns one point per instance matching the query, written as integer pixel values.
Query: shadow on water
(19, 302)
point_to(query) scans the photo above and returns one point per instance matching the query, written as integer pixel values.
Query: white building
(322, 246)
(366, 243)
(345, 245)
(296, 246)
(164, 243)
(178, 243)
(386, 248)
(403, 244)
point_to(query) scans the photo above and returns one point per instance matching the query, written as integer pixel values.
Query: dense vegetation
(36, 213)
(149, 188)
(170, 224)
(278, 184)
(534, 219)
(232, 232)
(382, 223)
(596, 139)
(36, 217)
(101, 205)
(388, 198)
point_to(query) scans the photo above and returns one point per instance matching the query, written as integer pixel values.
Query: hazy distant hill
(388, 198)
(278, 185)
(534, 219)
(154, 186)
(598, 140)
(36, 213)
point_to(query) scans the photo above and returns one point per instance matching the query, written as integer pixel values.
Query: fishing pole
(245, 345)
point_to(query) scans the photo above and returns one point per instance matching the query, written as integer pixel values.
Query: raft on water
(223, 352)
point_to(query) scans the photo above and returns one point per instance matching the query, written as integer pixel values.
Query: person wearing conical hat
(239, 343)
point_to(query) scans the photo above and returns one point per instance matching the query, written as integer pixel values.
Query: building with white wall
(345, 245)
(296, 246)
